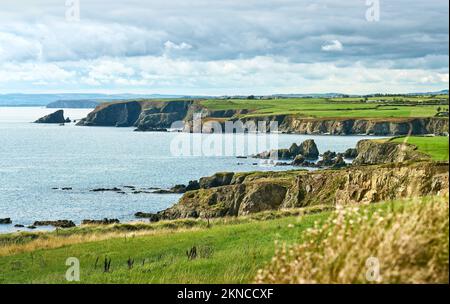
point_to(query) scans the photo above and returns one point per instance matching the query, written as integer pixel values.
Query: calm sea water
(34, 158)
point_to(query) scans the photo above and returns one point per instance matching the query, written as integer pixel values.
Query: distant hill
(73, 99)
(28, 100)
(441, 92)
(74, 104)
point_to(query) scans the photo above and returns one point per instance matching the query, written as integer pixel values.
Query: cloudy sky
(223, 46)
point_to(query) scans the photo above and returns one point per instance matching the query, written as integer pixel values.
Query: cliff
(145, 115)
(119, 114)
(371, 152)
(330, 126)
(148, 115)
(254, 192)
(162, 114)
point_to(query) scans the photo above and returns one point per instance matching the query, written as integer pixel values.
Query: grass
(435, 146)
(236, 249)
(404, 243)
(410, 234)
(391, 107)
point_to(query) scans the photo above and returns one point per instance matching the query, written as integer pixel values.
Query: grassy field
(382, 107)
(227, 253)
(237, 249)
(435, 146)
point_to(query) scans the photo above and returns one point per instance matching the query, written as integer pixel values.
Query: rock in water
(5, 221)
(298, 160)
(56, 117)
(58, 223)
(308, 149)
(104, 221)
(351, 153)
(339, 162)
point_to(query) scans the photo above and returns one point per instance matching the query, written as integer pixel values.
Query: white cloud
(169, 45)
(333, 46)
(258, 75)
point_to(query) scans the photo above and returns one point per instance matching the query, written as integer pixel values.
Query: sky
(223, 47)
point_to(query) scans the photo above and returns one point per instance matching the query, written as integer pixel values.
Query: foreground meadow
(242, 250)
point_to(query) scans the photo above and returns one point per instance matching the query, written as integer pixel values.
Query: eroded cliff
(254, 192)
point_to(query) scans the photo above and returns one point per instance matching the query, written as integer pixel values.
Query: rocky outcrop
(104, 221)
(217, 180)
(58, 223)
(351, 153)
(384, 151)
(307, 149)
(118, 114)
(53, 118)
(5, 221)
(255, 192)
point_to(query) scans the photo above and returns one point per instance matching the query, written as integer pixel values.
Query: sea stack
(56, 118)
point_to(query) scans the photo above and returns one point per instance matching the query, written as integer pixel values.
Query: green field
(435, 146)
(228, 251)
(381, 107)
(231, 253)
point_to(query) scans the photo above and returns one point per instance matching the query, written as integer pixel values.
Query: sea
(38, 160)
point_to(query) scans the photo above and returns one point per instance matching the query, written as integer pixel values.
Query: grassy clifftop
(374, 107)
(434, 146)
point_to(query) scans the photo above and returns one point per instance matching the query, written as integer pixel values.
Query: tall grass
(404, 243)
(15, 243)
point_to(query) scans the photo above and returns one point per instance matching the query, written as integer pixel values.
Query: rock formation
(53, 118)
(308, 149)
(5, 221)
(377, 152)
(58, 223)
(104, 221)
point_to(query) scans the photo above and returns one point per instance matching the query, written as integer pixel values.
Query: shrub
(406, 242)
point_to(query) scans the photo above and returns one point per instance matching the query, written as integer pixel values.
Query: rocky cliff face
(162, 115)
(380, 127)
(254, 192)
(118, 114)
(371, 152)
